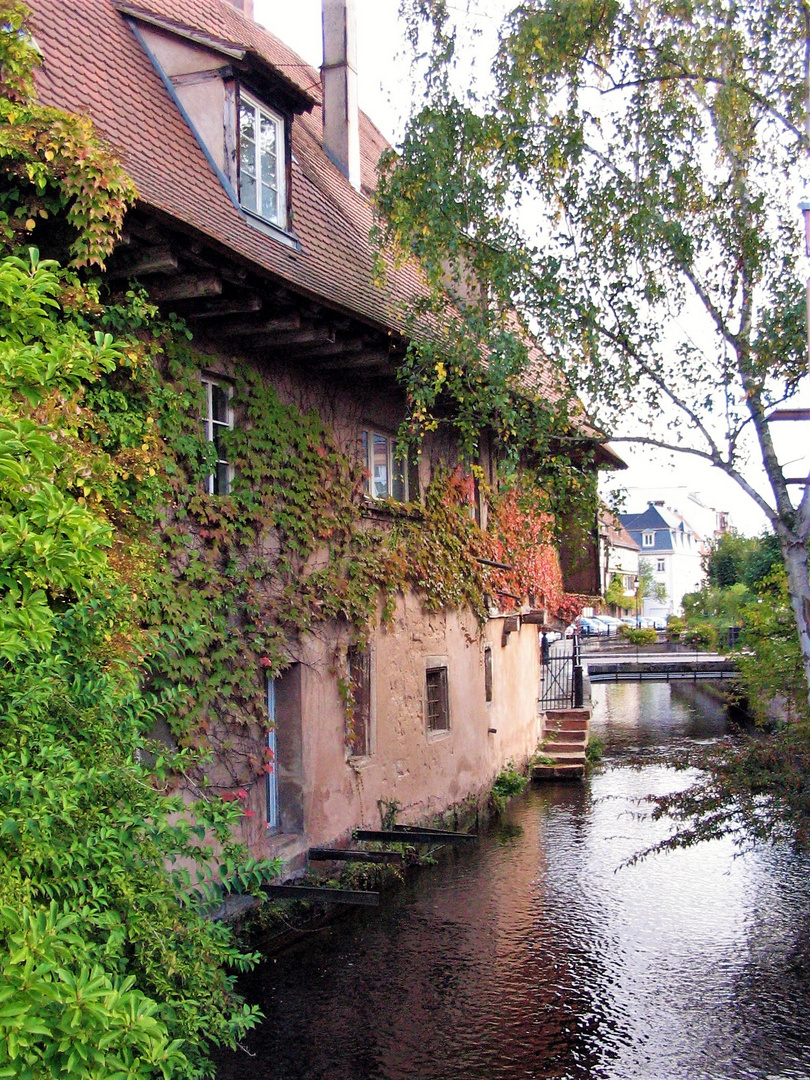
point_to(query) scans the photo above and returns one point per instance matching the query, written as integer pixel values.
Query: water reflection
(540, 954)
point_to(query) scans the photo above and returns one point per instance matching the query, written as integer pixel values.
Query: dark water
(539, 954)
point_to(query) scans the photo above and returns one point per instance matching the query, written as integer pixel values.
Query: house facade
(673, 551)
(254, 174)
(618, 558)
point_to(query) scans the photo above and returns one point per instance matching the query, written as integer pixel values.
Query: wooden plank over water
(353, 855)
(406, 834)
(329, 896)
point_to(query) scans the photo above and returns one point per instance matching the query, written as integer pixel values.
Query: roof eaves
(227, 48)
(303, 102)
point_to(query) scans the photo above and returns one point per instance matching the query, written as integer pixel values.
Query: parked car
(612, 623)
(592, 627)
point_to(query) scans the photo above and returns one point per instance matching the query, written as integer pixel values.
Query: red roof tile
(93, 64)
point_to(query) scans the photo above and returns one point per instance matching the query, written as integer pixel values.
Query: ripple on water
(540, 955)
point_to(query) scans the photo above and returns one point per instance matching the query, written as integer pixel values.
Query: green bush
(110, 963)
(675, 628)
(641, 636)
(701, 636)
(510, 781)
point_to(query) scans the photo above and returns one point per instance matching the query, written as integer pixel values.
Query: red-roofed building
(253, 224)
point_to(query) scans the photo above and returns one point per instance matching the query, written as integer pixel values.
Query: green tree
(616, 594)
(629, 187)
(110, 964)
(734, 559)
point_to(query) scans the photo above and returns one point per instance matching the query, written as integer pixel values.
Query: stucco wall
(423, 773)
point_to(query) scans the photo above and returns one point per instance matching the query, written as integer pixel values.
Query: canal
(542, 954)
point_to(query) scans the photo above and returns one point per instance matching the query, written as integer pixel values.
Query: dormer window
(262, 168)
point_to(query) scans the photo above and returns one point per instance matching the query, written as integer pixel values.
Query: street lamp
(636, 583)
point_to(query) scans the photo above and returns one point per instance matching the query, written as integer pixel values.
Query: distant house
(254, 174)
(672, 549)
(618, 556)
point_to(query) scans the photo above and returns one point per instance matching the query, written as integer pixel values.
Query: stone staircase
(566, 736)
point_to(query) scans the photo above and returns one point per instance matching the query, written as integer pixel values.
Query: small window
(648, 539)
(359, 727)
(438, 709)
(218, 419)
(661, 566)
(262, 165)
(385, 467)
(488, 673)
(272, 815)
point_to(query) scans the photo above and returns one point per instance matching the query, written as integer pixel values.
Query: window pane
(366, 466)
(268, 148)
(379, 466)
(247, 122)
(222, 480)
(399, 487)
(438, 713)
(219, 404)
(360, 677)
(269, 207)
(218, 430)
(247, 155)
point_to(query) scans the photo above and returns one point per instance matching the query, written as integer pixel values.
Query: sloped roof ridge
(219, 18)
(137, 11)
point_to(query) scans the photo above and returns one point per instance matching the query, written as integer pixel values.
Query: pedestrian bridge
(662, 668)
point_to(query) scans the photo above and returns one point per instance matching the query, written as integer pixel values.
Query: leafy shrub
(675, 627)
(510, 781)
(701, 636)
(110, 963)
(641, 635)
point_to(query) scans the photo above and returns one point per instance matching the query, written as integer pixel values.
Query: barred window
(359, 732)
(438, 709)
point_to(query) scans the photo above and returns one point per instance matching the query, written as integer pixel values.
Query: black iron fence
(561, 679)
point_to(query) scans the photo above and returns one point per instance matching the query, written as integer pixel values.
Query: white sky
(386, 94)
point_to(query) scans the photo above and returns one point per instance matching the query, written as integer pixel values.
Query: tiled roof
(616, 534)
(94, 65)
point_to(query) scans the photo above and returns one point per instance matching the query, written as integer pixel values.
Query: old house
(618, 559)
(254, 174)
(674, 551)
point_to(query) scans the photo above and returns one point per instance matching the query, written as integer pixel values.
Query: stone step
(558, 772)
(552, 747)
(567, 725)
(555, 715)
(567, 757)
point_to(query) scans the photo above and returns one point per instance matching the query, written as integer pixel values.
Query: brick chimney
(245, 6)
(341, 127)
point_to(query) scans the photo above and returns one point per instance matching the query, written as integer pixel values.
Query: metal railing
(561, 686)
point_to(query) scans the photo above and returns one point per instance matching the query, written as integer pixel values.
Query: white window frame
(368, 435)
(261, 111)
(648, 539)
(211, 424)
(660, 566)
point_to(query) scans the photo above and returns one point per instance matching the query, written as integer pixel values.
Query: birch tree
(630, 184)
